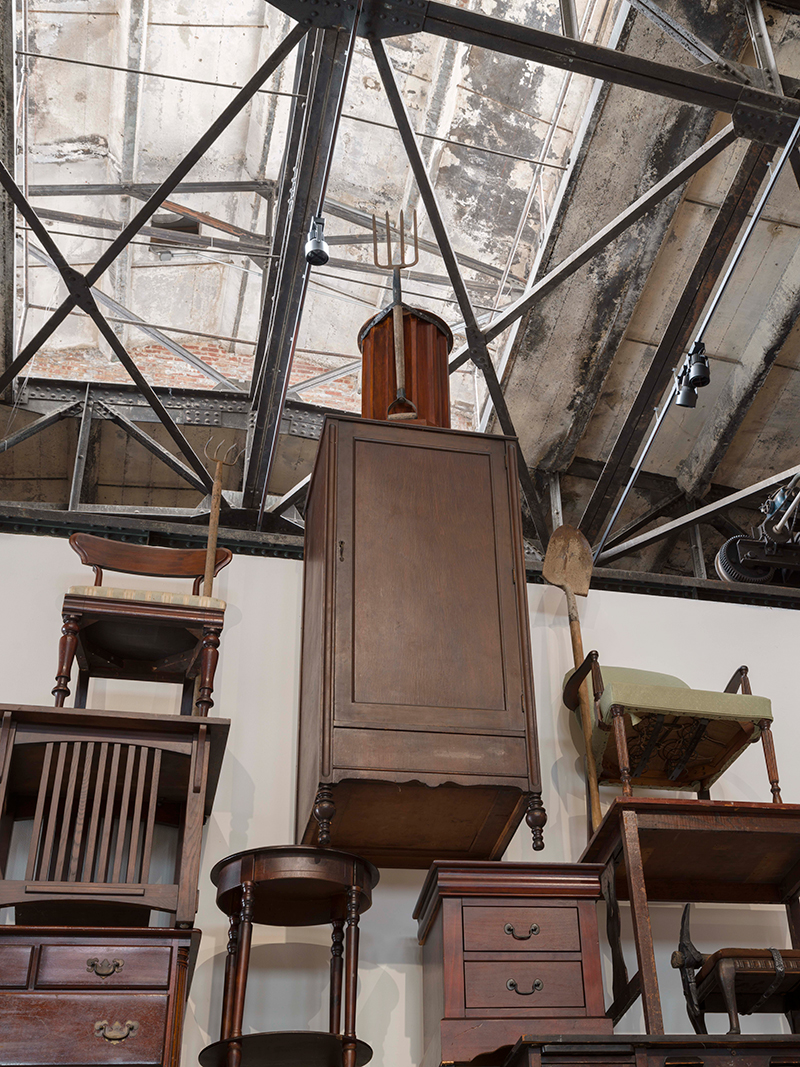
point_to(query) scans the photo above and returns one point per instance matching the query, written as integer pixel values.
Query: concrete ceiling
(528, 162)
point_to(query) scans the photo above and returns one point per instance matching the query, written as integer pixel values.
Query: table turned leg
(230, 971)
(66, 654)
(640, 914)
(244, 937)
(727, 985)
(621, 741)
(769, 756)
(351, 976)
(337, 948)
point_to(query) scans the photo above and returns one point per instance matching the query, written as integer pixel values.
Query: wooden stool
(292, 886)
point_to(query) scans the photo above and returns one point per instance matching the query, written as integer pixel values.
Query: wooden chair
(737, 981)
(141, 635)
(668, 736)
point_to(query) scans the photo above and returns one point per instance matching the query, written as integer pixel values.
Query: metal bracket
(755, 117)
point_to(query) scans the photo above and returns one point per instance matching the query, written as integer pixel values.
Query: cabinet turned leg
(337, 948)
(208, 667)
(324, 811)
(351, 977)
(66, 654)
(536, 817)
(772, 764)
(727, 984)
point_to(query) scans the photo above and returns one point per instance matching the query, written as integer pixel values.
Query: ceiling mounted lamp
(695, 374)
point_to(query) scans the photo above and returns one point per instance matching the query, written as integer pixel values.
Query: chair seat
(732, 724)
(755, 959)
(185, 600)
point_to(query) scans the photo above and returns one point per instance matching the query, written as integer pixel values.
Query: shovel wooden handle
(586, 711)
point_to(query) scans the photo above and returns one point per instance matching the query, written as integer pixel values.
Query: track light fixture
(317, 251)
(693, 376)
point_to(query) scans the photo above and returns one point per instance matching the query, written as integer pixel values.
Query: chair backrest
(100, 552)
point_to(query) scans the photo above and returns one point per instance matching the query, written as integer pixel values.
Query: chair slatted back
(100, 553)
(95, 813)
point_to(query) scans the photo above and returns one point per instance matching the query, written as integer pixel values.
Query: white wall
(257, 688)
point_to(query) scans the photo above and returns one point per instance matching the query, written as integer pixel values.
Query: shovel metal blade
(568, 561)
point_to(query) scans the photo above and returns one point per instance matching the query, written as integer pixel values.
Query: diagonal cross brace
(156, 200)
(479, 351)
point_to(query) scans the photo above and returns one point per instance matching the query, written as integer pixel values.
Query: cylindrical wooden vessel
(427, 341)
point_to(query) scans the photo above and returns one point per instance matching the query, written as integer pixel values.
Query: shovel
(568, 565)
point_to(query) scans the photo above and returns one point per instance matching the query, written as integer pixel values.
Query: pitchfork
(397, 306)
(221, 459)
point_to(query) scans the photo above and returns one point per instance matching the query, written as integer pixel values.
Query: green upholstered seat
(644, 696)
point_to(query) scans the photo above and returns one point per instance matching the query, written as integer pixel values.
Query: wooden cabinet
(508, 949)
(87, 996)
(417, 735)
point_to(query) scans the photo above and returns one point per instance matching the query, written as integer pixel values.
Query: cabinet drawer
(103, 967)
(554, 985)
(15, 961)
(521, 930)
(43, 1029)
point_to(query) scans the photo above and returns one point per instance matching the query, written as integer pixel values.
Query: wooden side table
(508, 949)
(89, 996)
(292, 886)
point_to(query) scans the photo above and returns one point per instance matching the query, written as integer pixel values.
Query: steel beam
(50, 419)
(292, 498)
(285, 299)
(81, 452)
(150, 331)
(163, 192)
(323, 379)
(677, 335)
(595, 61)
(660, 191)
(569, 19)
(685, 38)
(146, 189)
(700, 515)
(158, 450)
(479, 352)
(191, 240)
(7, 282)
(762, 46)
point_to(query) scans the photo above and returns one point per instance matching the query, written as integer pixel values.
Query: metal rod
(81, 451)
(461, 144)
(672, 181)
(638, 466)
(40, 424)
(262, 185)
(700, 515)
(791, 144)
(146, 73)
(569, 18)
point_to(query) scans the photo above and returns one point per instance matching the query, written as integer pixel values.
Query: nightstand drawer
(103, 966)
(48, 1029)
(535, 985)
(15, 962)
(521, 930)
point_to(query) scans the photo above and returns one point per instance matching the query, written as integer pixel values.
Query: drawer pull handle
(116, 1033)
(104, 969)
(509, 929)
(512, 985)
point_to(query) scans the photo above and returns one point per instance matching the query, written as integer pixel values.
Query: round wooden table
(292, 885)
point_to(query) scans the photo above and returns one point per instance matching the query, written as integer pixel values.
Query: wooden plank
(75, 750)
(130, 761)
(108, 816)
(91, 839)
(39, 813)
(46, 855)
(147, 845)
(640, 914)
(136, 828)
(80, 813)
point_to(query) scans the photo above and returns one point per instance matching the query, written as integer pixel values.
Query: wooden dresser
(508, 949)
(417, 719)
(87, 996)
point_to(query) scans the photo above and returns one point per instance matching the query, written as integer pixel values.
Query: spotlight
(317, 251)
(687, 396)
(699, 373)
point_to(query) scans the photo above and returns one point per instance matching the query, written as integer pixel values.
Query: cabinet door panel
(425, 596)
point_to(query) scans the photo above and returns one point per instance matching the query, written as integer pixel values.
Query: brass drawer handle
(117, 1032)
(512, 985)
(104, 969)
(509, 929)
